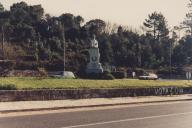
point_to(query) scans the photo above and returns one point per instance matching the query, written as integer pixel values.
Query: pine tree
(156, 25)
(1, 8)
(187, 23)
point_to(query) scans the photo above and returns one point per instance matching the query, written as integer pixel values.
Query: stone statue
(94, 43)
(94, 65)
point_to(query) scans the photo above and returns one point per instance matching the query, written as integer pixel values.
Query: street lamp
(63, 39)
(59, 23)
(2, 39)
(170, 59)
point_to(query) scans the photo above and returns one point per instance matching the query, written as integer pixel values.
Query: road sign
(188, 75)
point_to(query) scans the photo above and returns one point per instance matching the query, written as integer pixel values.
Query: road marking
(127, 120)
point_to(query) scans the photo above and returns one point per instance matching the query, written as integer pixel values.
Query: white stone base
(94, 68)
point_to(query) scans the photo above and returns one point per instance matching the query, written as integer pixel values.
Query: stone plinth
(94, 66)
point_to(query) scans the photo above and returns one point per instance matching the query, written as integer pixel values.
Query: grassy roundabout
(56, 83)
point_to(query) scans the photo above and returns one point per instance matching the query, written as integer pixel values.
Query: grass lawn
(56, 83)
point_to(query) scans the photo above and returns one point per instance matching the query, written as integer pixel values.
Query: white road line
(127, 120)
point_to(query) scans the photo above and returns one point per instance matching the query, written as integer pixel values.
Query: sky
(124, 12)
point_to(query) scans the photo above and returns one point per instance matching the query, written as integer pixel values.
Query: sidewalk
(68, 104)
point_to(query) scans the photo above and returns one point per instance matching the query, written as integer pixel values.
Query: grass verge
(57, 83)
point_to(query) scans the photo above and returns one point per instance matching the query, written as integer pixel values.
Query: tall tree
(4, 21)
(105, 49)
(95, 27)
(1, 8)
(182, 52)
(156, 25)
(187, 23)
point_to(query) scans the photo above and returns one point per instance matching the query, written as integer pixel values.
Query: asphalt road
(171, 115)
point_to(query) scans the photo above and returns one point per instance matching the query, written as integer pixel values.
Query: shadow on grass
(7, 87)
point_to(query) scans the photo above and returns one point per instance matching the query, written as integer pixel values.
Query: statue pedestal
(94, 66)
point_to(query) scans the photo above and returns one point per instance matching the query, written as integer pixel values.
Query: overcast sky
(125, 12)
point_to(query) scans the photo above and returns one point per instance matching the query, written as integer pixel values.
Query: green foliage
(106, 50)
(42, 36)
(187, 21)
(175, 71)
(7, 65)
(156, 24)
(107, 76)
(42, 73)
(95, 27)
(1, 8)
(119, 75)
(139, 71)
(96, 76)
(99, 76)
(182, 54)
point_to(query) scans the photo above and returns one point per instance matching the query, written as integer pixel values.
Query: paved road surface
(164, 115)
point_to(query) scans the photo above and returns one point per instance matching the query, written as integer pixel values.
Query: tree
(4, 25)
(182, 52)
(111, 28)
(68, 20)
(72, 25)
(1, 8)
(41, 36)
(22, 13)
(187, 23)
(125, 45)
(95, 27)
(105, 49)
(156, 25)
(79, 20)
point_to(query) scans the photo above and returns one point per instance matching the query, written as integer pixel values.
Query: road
(161, 115)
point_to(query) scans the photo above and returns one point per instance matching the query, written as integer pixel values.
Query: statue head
(94, 42)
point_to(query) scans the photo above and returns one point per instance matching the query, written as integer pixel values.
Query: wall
(28, 95)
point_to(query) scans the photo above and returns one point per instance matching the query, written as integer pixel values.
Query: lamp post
(2, 39)
(63, 39)
(170, 60)
(60, 24)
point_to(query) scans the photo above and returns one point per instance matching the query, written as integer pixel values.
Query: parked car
(63, 74)
(148, 76)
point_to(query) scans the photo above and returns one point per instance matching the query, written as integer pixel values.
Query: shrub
(94, 76)
(164, 71)
(25, 65)
(106, 75)
(100, 76)
(119, 75)
(6, 64)
(8, 87)
(175, 71)
(42, 73)
(139, 71)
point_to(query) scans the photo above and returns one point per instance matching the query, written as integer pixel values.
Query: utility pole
(2, 36)
(170, 60)
(63, 38)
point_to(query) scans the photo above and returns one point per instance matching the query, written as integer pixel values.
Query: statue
(94, 43)
(94, 65)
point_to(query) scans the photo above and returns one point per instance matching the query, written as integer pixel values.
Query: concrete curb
(91, 106)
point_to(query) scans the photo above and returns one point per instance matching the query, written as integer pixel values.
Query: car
(63, 74)
(148, 76)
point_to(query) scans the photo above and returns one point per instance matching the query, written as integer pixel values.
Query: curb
(91, 106)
